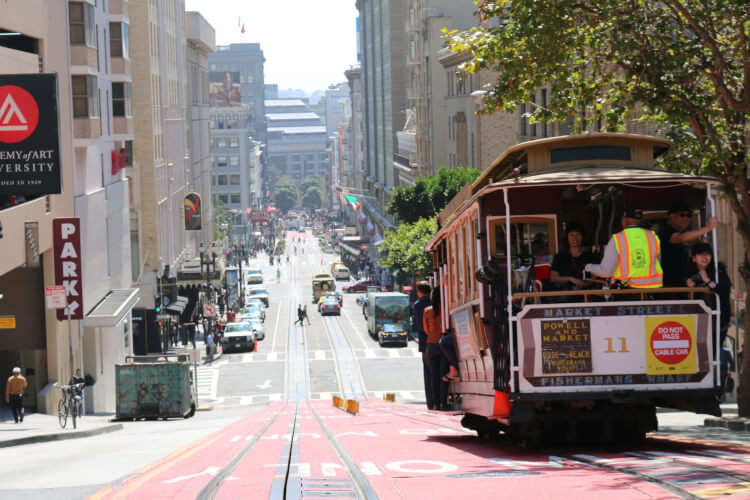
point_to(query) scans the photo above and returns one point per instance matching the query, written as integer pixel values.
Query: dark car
(392, 334)
(330, 306)
(358, 286)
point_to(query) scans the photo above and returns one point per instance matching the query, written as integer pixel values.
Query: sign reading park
(566, 346)
(29, 135)
(66, 236)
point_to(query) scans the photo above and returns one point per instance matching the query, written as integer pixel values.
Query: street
(274, 433)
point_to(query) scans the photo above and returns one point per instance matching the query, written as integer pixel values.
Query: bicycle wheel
(62, 413)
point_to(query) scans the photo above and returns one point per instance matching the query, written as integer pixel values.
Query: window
(119, 40)
(221, 142)
(232, 122)
(234, 161)
(82, 27)
(236, 198)
(121, 101)
(234, 142)
(85, 96)
(529, 236)
(221, 161)
(221, 180)
(234, 180)
(224, 198)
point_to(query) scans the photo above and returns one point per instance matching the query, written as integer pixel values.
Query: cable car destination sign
(29, 135)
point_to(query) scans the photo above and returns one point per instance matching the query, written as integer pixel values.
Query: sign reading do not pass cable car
(29, 135)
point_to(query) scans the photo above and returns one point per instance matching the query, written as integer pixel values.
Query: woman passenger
(568, 265)
(702, 273)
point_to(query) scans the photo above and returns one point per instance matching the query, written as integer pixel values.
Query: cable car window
(529, 236)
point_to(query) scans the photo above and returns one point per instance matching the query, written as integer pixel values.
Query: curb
(733, 424)
(60, 436)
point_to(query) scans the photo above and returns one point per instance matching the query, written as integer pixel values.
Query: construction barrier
(348, 405)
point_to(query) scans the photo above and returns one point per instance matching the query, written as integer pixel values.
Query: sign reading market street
(29, 135)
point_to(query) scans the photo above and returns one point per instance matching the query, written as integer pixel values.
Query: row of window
(460, 84)
(224, 161)
(226, 142)
(227, 180)
(85, 90)
(226, 198)
(83, 30)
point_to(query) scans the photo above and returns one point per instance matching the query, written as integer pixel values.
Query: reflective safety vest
(639, 264)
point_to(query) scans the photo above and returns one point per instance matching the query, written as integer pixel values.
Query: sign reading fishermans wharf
(29, 135)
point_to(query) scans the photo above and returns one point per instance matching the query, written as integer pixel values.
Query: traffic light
(157, 303)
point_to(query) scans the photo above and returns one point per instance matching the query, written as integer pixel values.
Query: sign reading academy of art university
(29, 135)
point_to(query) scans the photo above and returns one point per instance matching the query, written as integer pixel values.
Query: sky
(308, 44)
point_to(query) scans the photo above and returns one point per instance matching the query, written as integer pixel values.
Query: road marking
(272, 356)
(369, 353)
(265, 385)
(394, 354)
(210, 471)
(320, 354)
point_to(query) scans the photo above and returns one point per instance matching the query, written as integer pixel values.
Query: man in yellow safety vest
(632, 256)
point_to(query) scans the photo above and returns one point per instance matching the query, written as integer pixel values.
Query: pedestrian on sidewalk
(14, 393)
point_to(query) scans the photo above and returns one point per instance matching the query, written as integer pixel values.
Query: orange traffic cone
(255, 346)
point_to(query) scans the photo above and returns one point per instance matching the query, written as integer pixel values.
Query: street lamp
(208, 263)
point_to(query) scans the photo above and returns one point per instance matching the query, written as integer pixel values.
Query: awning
(177, 306)
(112, 309)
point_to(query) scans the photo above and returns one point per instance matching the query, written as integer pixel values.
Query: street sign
(209, 310)
(55, 295)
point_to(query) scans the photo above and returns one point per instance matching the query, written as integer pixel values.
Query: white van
(341, 273)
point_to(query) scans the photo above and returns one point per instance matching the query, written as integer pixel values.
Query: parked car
(358, 286)
(256, 326)
(391, 333)
(329, 305)
(255, 310)
(258, 292)
(238, 337)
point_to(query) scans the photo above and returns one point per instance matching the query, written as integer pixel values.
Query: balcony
(83, 55)
(123, 125)
(120, 66)
(118, 7)
(87, 128)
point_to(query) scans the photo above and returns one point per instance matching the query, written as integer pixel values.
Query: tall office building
(383, 45)
(243, 63)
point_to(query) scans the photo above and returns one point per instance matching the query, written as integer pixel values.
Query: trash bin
(154, 390)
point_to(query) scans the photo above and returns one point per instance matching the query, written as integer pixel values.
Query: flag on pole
(353, 201)
(243, 29)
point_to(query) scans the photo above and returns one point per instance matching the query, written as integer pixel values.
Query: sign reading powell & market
(29, 135)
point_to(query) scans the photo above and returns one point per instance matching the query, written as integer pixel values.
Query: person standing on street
(417, 327)
(14, 393)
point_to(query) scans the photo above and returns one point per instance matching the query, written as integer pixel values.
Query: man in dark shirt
(417, 327)
(675, 237)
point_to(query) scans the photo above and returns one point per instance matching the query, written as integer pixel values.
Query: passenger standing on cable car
(632, 256)
(568, 265)
(675, 237)
(433, 327)
(417, 328)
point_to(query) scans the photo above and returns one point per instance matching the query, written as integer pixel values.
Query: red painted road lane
(254, 475)
(416, 455)
(187, 471)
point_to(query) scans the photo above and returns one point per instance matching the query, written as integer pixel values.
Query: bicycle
(69, 404)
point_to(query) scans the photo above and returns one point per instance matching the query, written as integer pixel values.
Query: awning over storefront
(112, 309)
(177, 306)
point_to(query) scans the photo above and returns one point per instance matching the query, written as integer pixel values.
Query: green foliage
(311, 192)
(285, 194)
(222, 220)
(405, 247)
(429, 195)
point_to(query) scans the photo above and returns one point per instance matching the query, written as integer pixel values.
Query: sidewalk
(729, 419)
(41, 428)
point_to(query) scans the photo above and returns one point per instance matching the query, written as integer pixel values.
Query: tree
(311, 192)
(405, 247)
(285, 194)
(682, 66)
(429, 195)
(222, 219)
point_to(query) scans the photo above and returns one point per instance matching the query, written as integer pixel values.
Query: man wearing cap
(675, 238)
(632, 255)
(14, 393)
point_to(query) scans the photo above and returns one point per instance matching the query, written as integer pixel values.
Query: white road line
(320, 354)
(393, 354)
(214, 383)
(276, 326)
(275, 397)
(369, 353)
(246, 400)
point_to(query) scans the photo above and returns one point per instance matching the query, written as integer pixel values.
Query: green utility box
(154, 390)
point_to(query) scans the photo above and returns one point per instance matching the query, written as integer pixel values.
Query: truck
(387, 307)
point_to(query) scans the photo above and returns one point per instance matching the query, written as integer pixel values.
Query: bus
(322, 282)
(598, 361)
